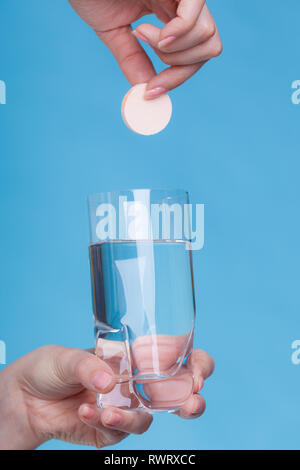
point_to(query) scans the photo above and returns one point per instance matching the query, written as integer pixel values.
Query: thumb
(77, 368)
(56, 372)
(131, 57)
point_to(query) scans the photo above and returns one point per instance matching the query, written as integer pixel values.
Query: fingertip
(111, 417)
(140, 36)
(95, 374)
(199, 406)
(173, 76)
(193, 408)
(198, 384)
(171, 29)
(86, 412)
(201, 363)
(103, 381)
(133, 422)
(164, 43)
(148, 33)
(152, 93)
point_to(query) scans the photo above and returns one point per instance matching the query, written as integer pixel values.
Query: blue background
(233, 143)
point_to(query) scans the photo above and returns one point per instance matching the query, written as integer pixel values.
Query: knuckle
(166, 59)
(200, 355)
(188, 25)
(49, 349)
(130, 57)
(208, 30)
(59, 361)
(84, 365)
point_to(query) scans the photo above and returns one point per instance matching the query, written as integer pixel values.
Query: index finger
(132, 422)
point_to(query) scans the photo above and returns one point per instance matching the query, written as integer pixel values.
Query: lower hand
(50, 393)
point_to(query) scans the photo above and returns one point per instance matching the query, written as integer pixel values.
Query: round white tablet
(145, 117)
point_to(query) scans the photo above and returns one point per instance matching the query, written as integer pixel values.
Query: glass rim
(115, 192)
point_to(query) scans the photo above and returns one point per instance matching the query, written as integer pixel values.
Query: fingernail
(87, 412)
(112, 418)
(198, 406)
(140, 36)
(199, 382)
(165, 42)
(154, 92)
(101, 380)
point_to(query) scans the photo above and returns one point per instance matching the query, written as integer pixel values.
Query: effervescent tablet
(143, 116)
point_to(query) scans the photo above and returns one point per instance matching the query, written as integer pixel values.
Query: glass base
(156, 395)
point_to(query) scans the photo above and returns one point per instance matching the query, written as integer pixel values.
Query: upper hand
(188, 39)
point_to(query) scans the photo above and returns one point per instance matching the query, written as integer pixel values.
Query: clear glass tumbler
(143, 295)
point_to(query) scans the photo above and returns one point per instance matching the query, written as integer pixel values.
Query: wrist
(16, 431)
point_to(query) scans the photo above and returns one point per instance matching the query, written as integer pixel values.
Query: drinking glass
(143, 295)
